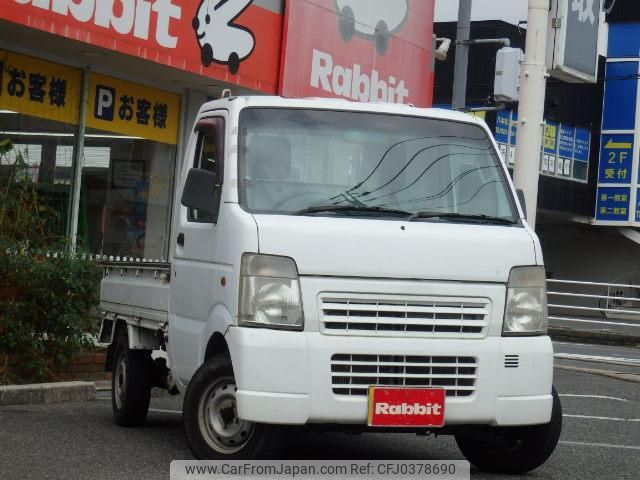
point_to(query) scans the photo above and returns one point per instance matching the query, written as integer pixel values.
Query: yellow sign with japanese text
(550, 135)
(39, 88)
(131, 109)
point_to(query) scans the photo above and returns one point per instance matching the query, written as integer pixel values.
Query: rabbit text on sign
(125, 16)
(353, 83)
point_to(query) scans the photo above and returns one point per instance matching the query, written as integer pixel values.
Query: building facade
(98, 98)
(579, 241)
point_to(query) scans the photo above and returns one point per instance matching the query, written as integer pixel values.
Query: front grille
(398, 317)
(352, 374)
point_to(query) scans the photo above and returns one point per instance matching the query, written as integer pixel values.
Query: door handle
(180, 239)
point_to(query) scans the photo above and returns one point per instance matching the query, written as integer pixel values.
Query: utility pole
(531, 109)
(462, 55)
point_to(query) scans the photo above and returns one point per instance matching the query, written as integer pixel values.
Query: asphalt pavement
(600, 438)
(599, 325)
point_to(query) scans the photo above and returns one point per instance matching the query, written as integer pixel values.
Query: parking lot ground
(600, 439)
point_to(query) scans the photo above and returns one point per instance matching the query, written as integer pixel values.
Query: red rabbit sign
(362, 50)
(237, 41)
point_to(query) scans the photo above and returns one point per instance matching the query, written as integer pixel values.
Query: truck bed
(136, 292)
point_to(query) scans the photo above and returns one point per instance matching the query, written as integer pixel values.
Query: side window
(209, 156)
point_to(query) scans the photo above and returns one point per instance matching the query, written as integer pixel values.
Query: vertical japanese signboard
(506, 129)
(572, 43)
(618, 195)
(566, 148)
(550, 147)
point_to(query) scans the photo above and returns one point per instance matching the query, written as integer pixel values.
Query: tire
(130, 383)
(525, 449)
(347, 24)
(234, 63)
(381, 38)
(206, 54)
(223, 436)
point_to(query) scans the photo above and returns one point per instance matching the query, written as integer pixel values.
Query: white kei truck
(346, 267)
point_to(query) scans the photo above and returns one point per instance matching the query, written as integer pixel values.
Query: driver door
(197, 268)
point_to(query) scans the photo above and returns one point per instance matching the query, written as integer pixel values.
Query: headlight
(269, 292)
(526, 307)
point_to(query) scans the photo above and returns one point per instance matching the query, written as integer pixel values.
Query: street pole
(462, 55)
(531, 109)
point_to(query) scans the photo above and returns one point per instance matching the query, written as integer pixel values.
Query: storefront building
(97, 97)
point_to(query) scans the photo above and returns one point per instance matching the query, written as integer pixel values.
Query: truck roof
(341, 104)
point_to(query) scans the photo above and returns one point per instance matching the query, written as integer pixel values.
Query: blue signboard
(616, 158)
(624, 40)
(513, 127)
(502, 126)
(621, 95)
(566, 140)
(582, 145)
(612, 204)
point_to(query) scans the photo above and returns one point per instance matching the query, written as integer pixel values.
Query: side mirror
(201, 191)
(523, 202)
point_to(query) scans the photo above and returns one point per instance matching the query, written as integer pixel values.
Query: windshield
(295, 161)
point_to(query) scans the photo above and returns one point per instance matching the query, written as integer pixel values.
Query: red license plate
(406, 407)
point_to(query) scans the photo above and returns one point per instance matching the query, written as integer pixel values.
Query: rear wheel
(130, 383)
(514, 450)
(212, 426)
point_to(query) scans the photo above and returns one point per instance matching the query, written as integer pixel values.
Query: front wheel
(211, 423)
(514, 450)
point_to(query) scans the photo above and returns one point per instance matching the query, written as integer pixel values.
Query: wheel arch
(216, 344)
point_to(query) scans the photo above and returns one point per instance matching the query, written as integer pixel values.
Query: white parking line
(589, 417)
(598, 359)
(593, 396)
(600, 445)
(160, 410)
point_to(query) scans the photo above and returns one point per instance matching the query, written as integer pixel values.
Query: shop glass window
(39, 151)
(581, 170)
(125, 203)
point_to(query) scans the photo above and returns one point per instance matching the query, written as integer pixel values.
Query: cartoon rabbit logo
(372, 20)
(220, 39)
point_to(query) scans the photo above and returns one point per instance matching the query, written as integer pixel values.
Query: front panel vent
(511, 361)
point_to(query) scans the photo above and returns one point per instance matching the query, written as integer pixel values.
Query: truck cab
(339, 265)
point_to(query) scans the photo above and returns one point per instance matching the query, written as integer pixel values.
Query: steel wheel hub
(218, 418)
(120, 376)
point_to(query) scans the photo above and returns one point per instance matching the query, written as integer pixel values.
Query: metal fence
(594, 302)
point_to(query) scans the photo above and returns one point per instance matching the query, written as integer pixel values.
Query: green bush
(47, 303)
(46, 311)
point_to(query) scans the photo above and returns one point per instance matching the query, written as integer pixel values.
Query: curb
(596, 337)
(40, 393)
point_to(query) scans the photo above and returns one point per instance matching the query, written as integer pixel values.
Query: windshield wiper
(351, 208)
(463, 216)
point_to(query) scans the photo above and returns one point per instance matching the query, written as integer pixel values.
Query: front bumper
(285, 377)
